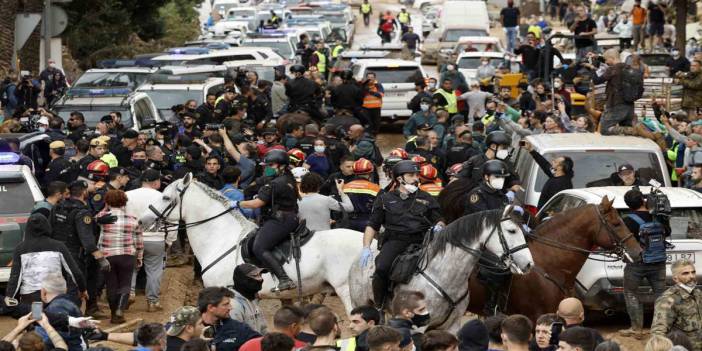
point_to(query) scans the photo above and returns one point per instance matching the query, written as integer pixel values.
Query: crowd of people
(302, 149)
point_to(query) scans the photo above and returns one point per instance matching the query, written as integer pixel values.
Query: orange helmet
(428, 172)
(420, 160)
(454, 170)
(362, 166)
(399, 152)
(297, 156)
(98, 170)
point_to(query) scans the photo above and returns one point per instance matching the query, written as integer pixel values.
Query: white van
(397, 78)
(218, 57)
(462, 12)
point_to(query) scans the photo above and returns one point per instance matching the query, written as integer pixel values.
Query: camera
(657, 201)
(213, 126)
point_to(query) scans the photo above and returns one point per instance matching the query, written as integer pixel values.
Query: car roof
(589, 141)
(679, 197)
(479, 40)
(213, 53)
(177, 70)
(491, 54)
(180, 86)
(387, 62)
(463, 26)
(145, 70)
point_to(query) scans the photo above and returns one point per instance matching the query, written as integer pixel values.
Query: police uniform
(473, 169)
(302, 93)
(58, 169)
(406, 218)
(678, 309)
(84, 162)
(97, 199)
(362, 194)
(484, 198)
(214, 181)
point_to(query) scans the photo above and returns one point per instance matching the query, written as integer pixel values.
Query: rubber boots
(284, 282)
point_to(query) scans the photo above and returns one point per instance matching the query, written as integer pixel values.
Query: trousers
(634, 276)
(119, 278)
(374, 119)
(622, 114)
(273, 231)
(383, 266)
(154, 254)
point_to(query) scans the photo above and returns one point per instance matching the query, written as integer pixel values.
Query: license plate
(674, 256)
(397, 95)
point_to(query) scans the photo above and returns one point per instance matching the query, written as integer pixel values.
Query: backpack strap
(637, 218)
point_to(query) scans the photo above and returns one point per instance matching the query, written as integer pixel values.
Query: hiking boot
(176, 261)
(119, 306)
(154, 307)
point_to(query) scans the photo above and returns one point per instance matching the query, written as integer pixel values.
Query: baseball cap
(150, 175)
(118, 171)
(130, 134)
(58, 144)
(696, 123)
(78, 184)
(188, 114)
(230, 90)
(425, 126)
(106, 119)
(625, 167)
(696, 138)
(98, 142)
(269, 131)
(249, 269)
(181, 318)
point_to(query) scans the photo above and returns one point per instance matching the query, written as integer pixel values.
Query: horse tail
(452, 198)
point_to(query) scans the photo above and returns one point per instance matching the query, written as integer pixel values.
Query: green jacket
(678, 309)
(692, 90)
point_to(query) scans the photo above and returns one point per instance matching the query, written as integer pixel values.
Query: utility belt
(280, 214)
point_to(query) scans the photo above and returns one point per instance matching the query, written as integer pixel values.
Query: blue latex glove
(235, 204)
(366, 255)
(518, 209)
(437, 228)
(510, 196)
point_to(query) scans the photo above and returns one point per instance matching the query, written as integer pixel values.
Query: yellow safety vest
(403, 17)
(451, 102)
(346, 344)
(322, 63)
(337, 50)
(275, 19)
(365, 8)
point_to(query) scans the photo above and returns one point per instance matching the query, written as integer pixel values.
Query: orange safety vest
(432, 188)
(371, 101)
(362, 186)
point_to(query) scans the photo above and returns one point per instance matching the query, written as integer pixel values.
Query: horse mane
(217, 196)
(452, 198)
(559, 220)
(464, 231)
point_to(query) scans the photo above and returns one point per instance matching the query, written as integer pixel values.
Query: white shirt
(137, 208)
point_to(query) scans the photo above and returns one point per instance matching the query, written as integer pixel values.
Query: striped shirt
(124, 237)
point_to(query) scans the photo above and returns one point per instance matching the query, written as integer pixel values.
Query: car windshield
(165, 99)
(478, 47)
(409, 74)
(455, 34)
(110, 79)
(15, 197)
(685, 223)
(93, 115)
(335, 18)
(474, 62)
(241, 13)
(281, 47)
(655, 60)
(594, 168)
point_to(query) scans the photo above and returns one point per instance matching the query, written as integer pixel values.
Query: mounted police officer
(498, 147)
(362, 193)
(302, 93)
(72, 223)
(279, 200)
(406, 213)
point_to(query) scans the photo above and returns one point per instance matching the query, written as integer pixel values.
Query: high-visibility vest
(346, 344)
(337, 50)
(432, 188)
(403, 17)
(322, 62)
(275, 19)
(371, 101)
(361, 186)
(451, 101)
(365, 8)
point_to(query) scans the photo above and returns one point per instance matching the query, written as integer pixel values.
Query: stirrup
(284, 285)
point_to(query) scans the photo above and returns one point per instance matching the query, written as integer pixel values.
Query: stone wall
(29, 55)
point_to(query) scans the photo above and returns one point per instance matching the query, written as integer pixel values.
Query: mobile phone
(556, 329)
(37, 308)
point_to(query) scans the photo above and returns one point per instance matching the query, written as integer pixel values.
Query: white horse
(449, 259)
(215, 233)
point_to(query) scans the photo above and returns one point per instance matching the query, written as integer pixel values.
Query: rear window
(92, 117)
(15, 197)
(595, 168)
(407, 74)
(110, 79)
(455, 34)
(474, 62)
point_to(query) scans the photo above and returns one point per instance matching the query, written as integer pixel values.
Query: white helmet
(299, 172)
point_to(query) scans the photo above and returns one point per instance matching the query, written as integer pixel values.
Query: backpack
(632, 84)
(652, 238)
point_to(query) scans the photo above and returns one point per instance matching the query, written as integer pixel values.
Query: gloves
(83, 322)
(107, 218)
(235, 204)
(104, 264)
(437, 228)
(510, 196)
(366, 255)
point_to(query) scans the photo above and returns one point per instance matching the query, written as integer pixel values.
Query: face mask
(139, 164)
(432, 85)
(247, 286)
(502, 154)
(52, 65)
(490, 112)
(484, 63)
(676, 54)
(424, 107)
(421, 320)
(41, 129)
(450, 67)
(319, 149)
(497, 183)
(557, 85)
(411, 188)
(269, 171)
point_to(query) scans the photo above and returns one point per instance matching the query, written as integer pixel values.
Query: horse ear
(507, 211)
(187, 179)
(606, 203)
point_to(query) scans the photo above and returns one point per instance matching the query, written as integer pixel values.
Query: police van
(600, 282)
(280, 43)
(123, 77)
(137, 109)
(168, 90)
(19, 191)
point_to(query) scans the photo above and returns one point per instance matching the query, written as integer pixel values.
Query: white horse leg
(344, 294)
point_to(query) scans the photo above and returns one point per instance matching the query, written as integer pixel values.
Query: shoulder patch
(87, 219)
(474, 198)
(97, 197)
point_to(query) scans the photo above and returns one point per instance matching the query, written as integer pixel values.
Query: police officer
(224, 107)
(72, 224)
(404, 18)
(319, 58)
(59, 168)
(490, 194)
(362, 193)
(279, 200)
(98, 173)
(98, 147)
(366, 11)
(498, 147)
(302, 93)
(406, 213)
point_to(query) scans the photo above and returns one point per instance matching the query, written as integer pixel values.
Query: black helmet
(496, 168)
(404, 166)
(277, 156)
(297, 69)
(498, 137)
(347, 75)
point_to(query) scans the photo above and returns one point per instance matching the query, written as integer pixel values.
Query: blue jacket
(235, 194)
(417, 119)
(230, 334)
(62, 305)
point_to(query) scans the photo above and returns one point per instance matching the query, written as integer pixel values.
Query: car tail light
(532, 209)
(617, 290)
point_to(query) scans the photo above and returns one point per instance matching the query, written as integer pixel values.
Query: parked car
(600, 284)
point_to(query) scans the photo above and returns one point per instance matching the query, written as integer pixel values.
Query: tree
(680, 24)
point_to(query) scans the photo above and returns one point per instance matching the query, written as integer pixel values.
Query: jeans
(119, 278)
(154, 253)
(638, 36)
(511, 37)
(622, 114)
(634, 275)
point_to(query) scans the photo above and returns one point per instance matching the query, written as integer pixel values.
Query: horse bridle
(619, 247)
(161, 216)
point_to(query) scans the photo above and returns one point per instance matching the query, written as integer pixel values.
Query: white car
(469, 62)
(423, 5)
(599, 284)
(397, 77)
(219, 57)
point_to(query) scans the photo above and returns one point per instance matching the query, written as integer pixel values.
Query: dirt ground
(179, 289)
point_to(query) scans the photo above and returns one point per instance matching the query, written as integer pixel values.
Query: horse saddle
(283, 251)
(406, 265)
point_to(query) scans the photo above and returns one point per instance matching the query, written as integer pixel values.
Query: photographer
(648, 222)
(26, 93)
(692, 87)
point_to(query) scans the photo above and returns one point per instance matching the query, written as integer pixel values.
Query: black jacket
(347, 96)
(554, 184)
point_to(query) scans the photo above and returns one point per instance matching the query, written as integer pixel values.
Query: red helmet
(297, 156)
(362, 166)
(420, 160)
(428, 172)
(399, 152)
(454, 170)
(98, 170)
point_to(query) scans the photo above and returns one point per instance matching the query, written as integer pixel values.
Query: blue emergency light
(99, 92)
(8, 158)
(218, 46)
(188, 51)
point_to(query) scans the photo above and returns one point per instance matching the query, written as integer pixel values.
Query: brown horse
(452, 198)
(560, 247)
(301, 118)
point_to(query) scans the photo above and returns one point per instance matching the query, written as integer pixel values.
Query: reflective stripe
(430, 188)
(370, 101)
(362, 187)
(451, 101)
(322, 63)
